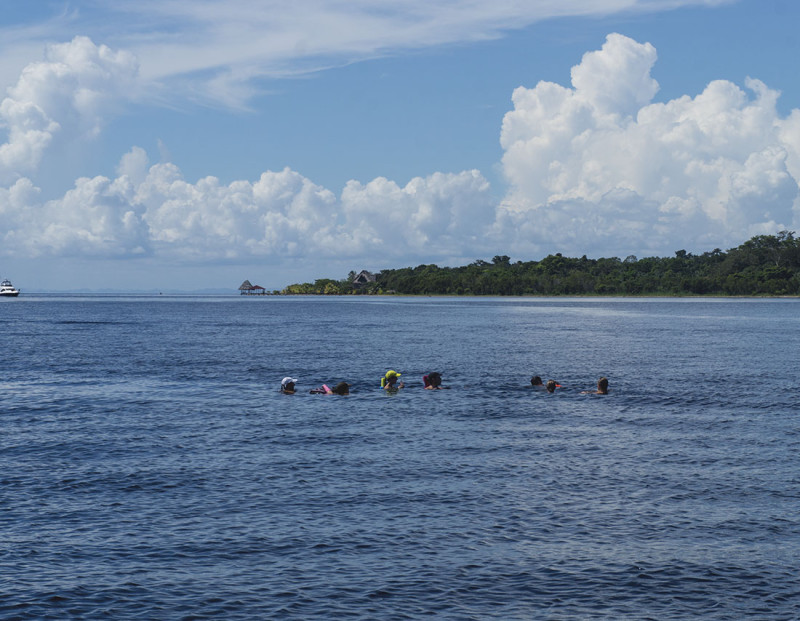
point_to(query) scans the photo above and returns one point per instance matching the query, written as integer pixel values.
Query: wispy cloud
(196, 45)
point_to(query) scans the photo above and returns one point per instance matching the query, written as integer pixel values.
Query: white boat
(7, 289)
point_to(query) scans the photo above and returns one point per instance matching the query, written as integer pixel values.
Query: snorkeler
(287, 385)
(551, 385)
(342, 388)
(433, 381)
(389, 381)
(602, 388)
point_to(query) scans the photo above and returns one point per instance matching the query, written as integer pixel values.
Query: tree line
(763, 265)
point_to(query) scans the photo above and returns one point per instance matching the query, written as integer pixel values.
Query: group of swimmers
(288, 387)
(551, 385)
(432, 381)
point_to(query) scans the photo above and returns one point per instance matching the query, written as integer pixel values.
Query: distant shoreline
(764, 266)
(234, 295)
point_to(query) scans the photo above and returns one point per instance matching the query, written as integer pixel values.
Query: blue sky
(184, 145)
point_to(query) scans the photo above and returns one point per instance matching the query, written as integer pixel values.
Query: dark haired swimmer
(551, 385)
(342, 388)
(536, 382)
(433, 381)
(602, 388)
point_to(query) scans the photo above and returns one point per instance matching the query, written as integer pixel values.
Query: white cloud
(66, 96)
(444, 214)
(94, 219)
(281, 214)
(134, 165)
(624, 63)
(153, 211)
(594, 168)
(600, 168)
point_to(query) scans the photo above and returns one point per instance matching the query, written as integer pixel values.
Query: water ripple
(155, 472)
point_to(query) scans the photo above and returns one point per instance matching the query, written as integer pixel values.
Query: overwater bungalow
(249, 289)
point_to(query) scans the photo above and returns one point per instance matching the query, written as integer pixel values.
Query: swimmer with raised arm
(389, 381)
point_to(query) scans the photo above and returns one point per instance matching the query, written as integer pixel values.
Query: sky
(184, 145)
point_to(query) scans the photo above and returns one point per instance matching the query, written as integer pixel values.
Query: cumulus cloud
(281, 214)
(600, 167)
(93, 219)
(443, 214)
(597, 167)
(154, 211)
(66, 95)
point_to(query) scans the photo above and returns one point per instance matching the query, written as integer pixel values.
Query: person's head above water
(551, 385)
(435, 379)
(536, 381)
(287, 384)
(342, 388)
(389, 381)
(602, 385)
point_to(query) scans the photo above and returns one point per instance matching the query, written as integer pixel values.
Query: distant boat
(7, 289)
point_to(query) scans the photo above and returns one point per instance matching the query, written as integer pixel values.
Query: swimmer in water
(433, 381)
(342, 388)
(287, 385)
(536, 382)
(389, 381)
(551, 385)
(602, 388)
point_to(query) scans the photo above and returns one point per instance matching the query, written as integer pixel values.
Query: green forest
(766, 265)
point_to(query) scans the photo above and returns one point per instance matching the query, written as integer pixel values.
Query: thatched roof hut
(247, 288)
(364, 277)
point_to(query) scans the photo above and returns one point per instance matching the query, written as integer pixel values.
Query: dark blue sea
(151, 469)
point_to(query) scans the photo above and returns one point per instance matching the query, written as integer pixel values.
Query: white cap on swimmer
(288, 380)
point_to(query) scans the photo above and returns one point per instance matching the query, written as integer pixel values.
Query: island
(765, 265)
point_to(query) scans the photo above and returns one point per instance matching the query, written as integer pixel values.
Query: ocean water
(151, 469)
